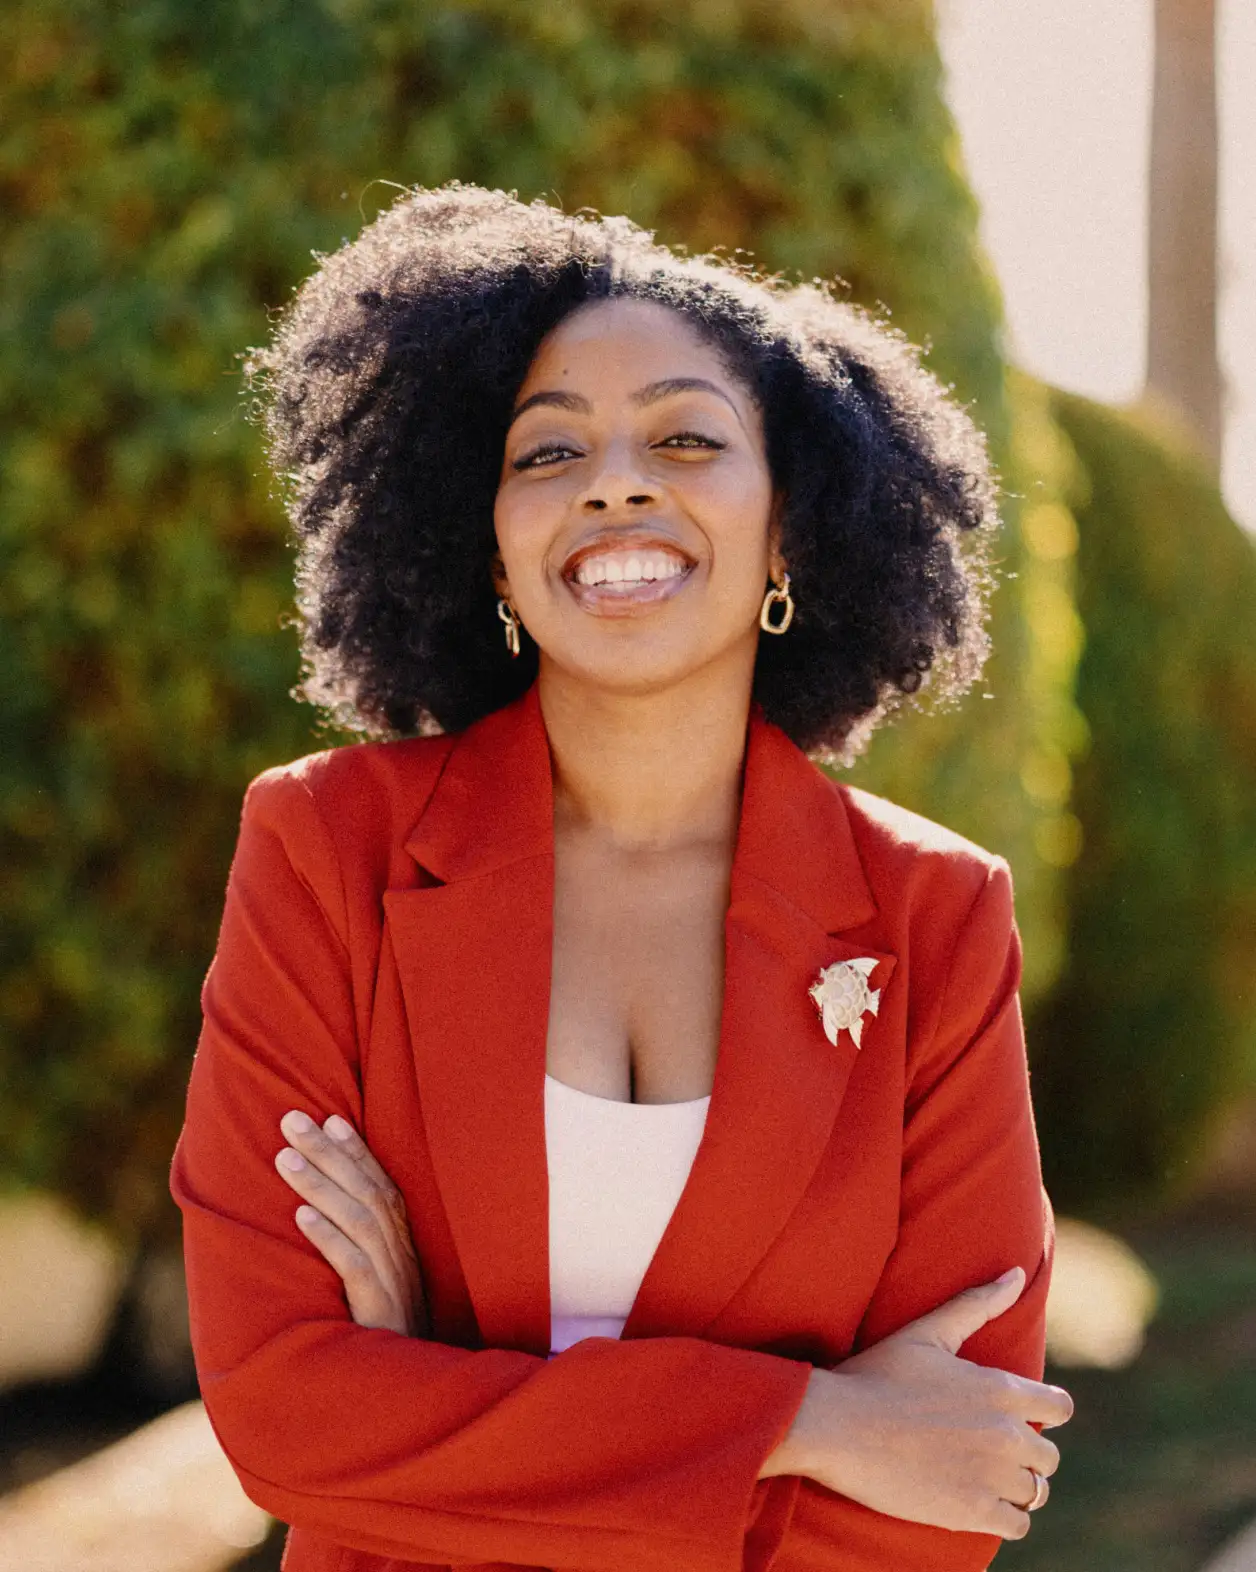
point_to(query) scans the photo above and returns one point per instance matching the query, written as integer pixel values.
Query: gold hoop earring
(771, 598)
(507, 614)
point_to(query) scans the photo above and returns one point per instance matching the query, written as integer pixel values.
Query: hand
(356, 1219)
(908, 1428)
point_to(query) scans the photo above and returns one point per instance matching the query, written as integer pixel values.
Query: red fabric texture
(385, 954)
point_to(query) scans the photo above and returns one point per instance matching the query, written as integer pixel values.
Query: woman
(659, 1108)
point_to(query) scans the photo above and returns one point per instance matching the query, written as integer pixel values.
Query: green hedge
(168, 169)
(999, 768)
(1151, 1032)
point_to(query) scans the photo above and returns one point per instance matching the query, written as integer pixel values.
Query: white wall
(1053, 100)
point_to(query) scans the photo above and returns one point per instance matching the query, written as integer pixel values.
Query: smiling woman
(657, 1108)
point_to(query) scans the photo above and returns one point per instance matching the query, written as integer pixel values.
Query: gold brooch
(842, 996)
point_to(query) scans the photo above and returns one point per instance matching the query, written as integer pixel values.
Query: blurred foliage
(1158, 1465)
(167, 170)
(1151, 1032)
(999, 768)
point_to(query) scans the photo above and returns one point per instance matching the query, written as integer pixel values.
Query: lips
(618, 573)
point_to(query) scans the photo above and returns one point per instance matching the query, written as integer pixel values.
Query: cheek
(737, 508)
(523, 523)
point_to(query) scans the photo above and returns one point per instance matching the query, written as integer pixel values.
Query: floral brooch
(842, 996)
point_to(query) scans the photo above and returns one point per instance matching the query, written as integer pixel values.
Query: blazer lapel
(797, 888)
(474, 956)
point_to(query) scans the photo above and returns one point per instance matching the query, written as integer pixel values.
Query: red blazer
(385, 954)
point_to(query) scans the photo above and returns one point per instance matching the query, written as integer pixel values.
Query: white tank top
(616, 1172)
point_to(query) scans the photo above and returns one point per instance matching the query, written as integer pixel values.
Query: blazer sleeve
(972, 1206)
(611, 1455)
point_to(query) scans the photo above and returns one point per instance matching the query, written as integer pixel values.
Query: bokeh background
(1051, 199)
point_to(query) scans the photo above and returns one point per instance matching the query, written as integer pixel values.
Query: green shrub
(1151, 1032)
(998, 769)
(168, 169)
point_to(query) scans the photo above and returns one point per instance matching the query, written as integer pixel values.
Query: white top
(616, 1172)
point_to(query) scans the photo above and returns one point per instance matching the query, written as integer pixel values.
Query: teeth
(635, 569)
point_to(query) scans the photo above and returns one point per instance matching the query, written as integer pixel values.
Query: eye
(548, 453)
(690, 439)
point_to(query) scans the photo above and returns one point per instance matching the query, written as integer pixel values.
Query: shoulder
(947, 903)
(891, 831)
(375, 789)
(914, 862)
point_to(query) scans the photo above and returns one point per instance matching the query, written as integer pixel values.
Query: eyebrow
(657, 390)
(650, 394)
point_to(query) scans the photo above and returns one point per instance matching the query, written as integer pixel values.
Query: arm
(972, 1201)
(972, 1205)
(625, 1455)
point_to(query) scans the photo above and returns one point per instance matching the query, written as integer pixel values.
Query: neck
(648, 771)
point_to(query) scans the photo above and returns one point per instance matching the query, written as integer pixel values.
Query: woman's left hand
(356, 1219)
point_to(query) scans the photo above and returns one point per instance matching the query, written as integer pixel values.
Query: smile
(618, 580)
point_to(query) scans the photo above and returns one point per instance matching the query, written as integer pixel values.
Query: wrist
(799, 1450)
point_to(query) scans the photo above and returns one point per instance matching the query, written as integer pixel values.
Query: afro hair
(386, 393)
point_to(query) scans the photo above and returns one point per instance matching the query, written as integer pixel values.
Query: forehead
(629, 341)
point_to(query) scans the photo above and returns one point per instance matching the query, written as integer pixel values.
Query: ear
(498, 571)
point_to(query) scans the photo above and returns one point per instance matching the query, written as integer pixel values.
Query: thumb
(954, 1322)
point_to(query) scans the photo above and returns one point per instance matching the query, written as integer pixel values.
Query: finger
(1029, 1489)
(1031, 1402)
(382, 1192)
(345, 1160)
(953, 1323)
(353, 1219)
(1009, 1521)
(1038, 1402)
(351, 1265)
(1064, 1408)
(348, 1140)
(1020, 1486)
(1041, 1454)
(332, 1159)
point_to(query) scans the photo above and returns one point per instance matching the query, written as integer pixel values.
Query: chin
(630, 668)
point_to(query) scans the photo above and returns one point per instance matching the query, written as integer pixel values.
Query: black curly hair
(386, 394)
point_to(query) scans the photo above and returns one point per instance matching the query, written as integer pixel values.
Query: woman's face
(634, 514)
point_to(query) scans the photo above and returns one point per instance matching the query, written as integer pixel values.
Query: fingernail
(338, 1128)
(293, 1161)
(301, 1123)
(1008, 1275)
(306, 1214)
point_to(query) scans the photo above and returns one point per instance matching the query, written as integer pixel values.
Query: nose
(598, 503)
(616, 483)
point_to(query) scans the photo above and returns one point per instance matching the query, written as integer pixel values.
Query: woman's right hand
(910, 1429)
(356, 1219)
